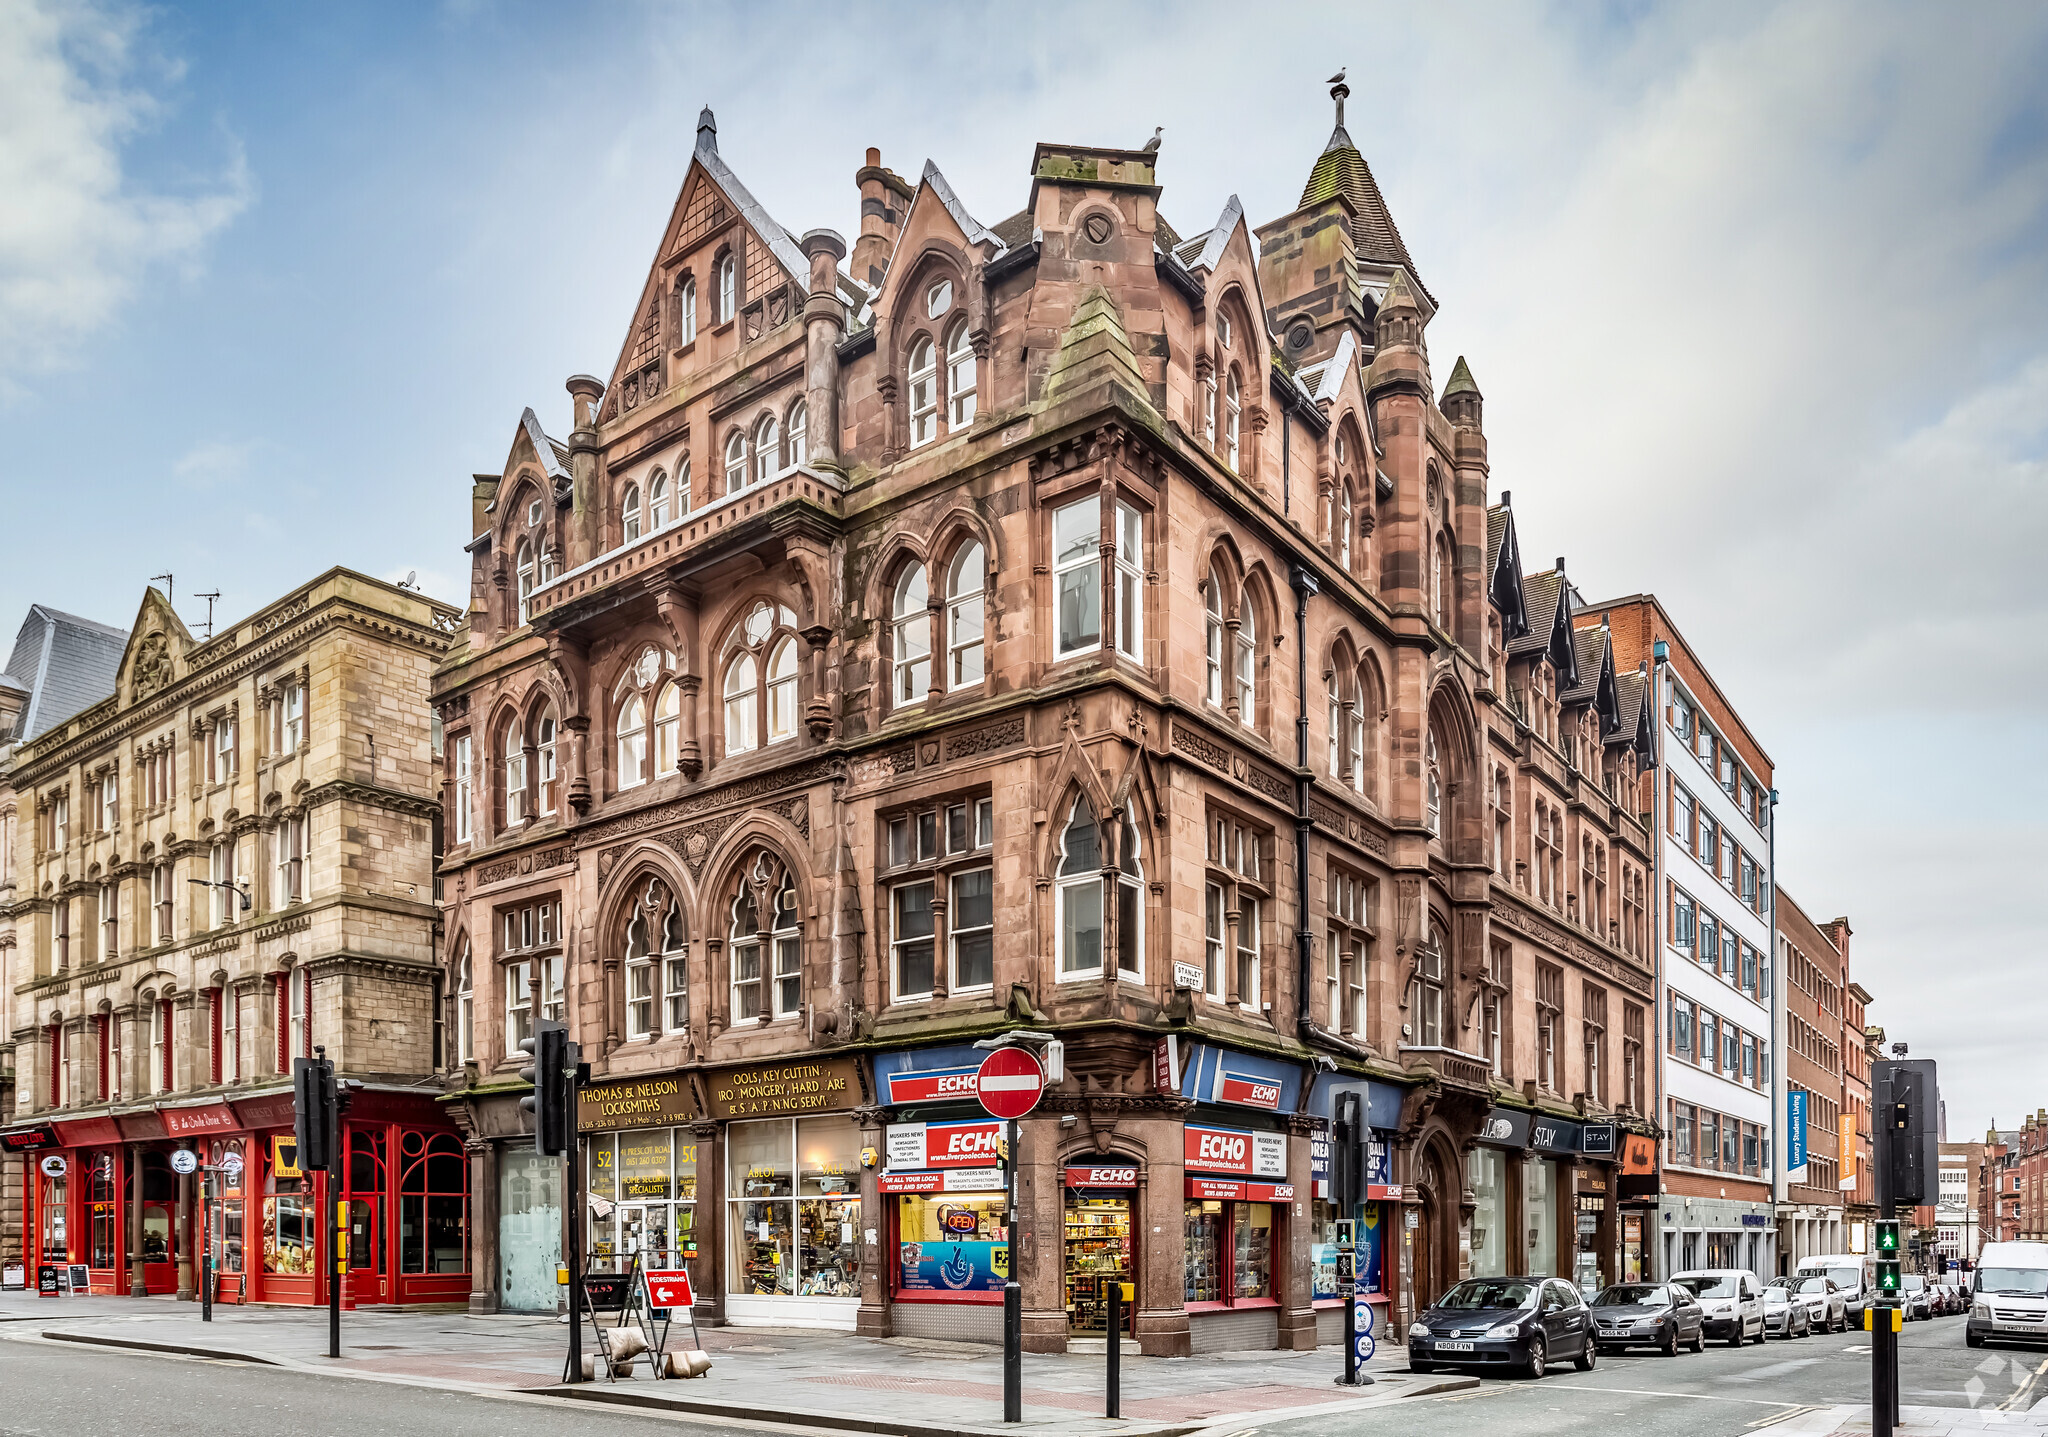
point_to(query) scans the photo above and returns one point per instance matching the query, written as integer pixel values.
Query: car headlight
(1418, 1330)
(1508, 1329)
(1981, 1310)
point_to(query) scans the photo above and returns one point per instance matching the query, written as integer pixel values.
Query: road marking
(1694, 1396)
(2013, 1403)
(1785, 1416)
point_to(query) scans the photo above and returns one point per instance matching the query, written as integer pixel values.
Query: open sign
(958, 1219)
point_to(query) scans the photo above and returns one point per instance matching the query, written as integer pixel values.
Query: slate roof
(1206, 250)
(1014, 231)
(779, 240)
(554, 455)
(1325, 379)
(1513, 604)
(1341, 170)
(1589, 651)
(1540, 592)
(1629, 689)
(974, 229)
(64, 664)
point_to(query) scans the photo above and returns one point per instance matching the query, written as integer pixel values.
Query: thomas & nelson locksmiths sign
(636, 1103)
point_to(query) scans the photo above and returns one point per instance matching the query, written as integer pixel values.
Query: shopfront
(1635, 1186)
(1098, 1200)
(942, 1190)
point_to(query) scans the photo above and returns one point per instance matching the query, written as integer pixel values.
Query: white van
(2009, 1293)
(1855, 1274)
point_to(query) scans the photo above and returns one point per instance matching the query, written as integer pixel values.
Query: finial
(707, 130)
(1338, 90)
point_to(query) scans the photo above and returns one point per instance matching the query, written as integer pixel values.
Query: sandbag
(689, 1364)
(626, 1343)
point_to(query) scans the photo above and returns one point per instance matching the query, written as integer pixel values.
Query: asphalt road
(60, 1390)
(1722, 1392)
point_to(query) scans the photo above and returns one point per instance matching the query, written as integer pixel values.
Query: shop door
(159, 1240)
(1098, 1252)
(529, 1230)
(644, 1234)
(369, 1275)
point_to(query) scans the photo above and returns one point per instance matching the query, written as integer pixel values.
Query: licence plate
(2018, 1326)
(1454, 1347)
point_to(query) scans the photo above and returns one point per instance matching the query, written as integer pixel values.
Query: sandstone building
(1073, 624)
(225, 865)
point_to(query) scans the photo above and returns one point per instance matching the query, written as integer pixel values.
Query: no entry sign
(1010, 1082)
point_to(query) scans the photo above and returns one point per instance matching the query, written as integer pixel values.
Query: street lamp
(240, 888)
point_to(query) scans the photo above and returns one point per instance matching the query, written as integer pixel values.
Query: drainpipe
(1305, 586)
(1286, 457)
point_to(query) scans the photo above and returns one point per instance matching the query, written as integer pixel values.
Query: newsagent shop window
(793, 1222)
(951, 1247)
(1229, 1251)
(643, 1198)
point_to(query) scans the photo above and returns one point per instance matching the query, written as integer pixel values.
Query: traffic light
(1906, 1100)
(1888, 1269)
(313, 1117)
(549, 1101)
(1888, 1236)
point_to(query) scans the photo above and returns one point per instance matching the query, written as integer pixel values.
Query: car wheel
(1735, 1335)
(1974, 1339)
(1421, 1369)
(1533, 1364)
(1588, 1359)
(1669, 1347)
(1699, 1340)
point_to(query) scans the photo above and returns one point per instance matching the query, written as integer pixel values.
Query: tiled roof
(1497, 521)
(1540, 592)
(1629, 689)
(1589, 649)
(554, 455)
(1014, 231)
(1341, 170)
(65, 664)
(1212, 243)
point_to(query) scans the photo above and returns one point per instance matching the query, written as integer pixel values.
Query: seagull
(1152, 145)
(1336, 79)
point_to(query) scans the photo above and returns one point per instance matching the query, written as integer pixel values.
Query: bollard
(1115, 1349)
(1351, 1339)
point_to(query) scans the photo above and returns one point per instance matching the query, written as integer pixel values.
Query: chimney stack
(824, 324)
(884, 199)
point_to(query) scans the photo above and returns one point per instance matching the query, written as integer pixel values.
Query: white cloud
(77, 234)
(215, 462)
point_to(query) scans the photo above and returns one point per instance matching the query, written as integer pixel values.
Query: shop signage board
(1795, 1134)
(1011, 1082)
(89, 1133)
(1166, 1064)
(1248, 1092)
(1598, 1140)
(942, 1085)
(197, 1121)
(1508, 1127)
(951, 1180)
(1101, 1175)
(1200, 1188)
(670, 1287)
(46, 1279)
(1235, 1151)
(1552, 1135)
(184, 1160)
(1847, 1158)
(783, 1090)
(941, 1145)
(79, 1279)
(1242, 1080)
(28, 1140)
(53, 1165)
(635, 1103)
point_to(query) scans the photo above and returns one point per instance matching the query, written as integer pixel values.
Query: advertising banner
(1101, 1175)
(1848, 1154)
(1795, 1134)
(1234, 1151)
(942, 1145)
(953, 1266)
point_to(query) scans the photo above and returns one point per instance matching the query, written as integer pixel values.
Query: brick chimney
(884, 200)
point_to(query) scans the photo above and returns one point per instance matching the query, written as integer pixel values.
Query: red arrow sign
(670, 1287)
(1010, 1082)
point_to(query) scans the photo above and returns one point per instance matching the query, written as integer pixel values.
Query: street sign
(1010, 1082)
(1363, 1342)
(1365, 1320)
(669, 1287)
(184, 1160)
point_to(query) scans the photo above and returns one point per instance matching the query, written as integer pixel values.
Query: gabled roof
(1632, 715)
(1504, 571)
(63, 663)
(1205, 251)
(1341, 170)
(554, 455)
(1593, 657)
(974, 229)
(1550, 626)
(763, 224)
(1017, 230)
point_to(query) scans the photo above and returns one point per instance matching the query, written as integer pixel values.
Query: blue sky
(1758, 296)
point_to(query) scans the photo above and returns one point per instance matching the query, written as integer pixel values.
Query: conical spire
(707, 130)
(1095, 340)
(1461, 380)
(1341, 170)
(1461, 399)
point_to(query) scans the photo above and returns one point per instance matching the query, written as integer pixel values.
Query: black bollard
(1115, 1349)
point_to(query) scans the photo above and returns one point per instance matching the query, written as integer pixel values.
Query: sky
(1757, 295)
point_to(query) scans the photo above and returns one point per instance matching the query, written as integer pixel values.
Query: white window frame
(110, 802)
(632, 735)
(1233, 415)
(728, 288)
(518, 1003)
(742, 700)
(1130, 573)
(668, 729)
(955, 930)
(545, 778)
(464, 791)
(767, 449)
(657, 502)
(1245, 667)
(966, 617)
(1212, 645)
(523, 568)
(1250, 954)
(1215, 941)
(961, 385)
(922, 379)
(1085, 559)
(221, 871)
(736, 461)
(686, 307)
(910, 638)
(1066, 885)
(782, 670)
(797, 433)
(515, 773)
(901, 944)
(465, 1007)
(629, 513)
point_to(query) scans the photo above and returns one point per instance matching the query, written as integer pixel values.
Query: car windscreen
(1491, 1292)
(2013, 1281)
(1810, 1284)
(1849, 1279)
(1913, 1282)
(1707, 1286)
(1776, 1297)
(1633, 1294)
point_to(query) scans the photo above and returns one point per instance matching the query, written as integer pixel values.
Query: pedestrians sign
(1010, 1082)
(669, 1287)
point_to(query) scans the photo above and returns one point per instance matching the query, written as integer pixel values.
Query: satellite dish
(411, 580)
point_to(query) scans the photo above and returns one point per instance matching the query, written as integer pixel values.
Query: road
(1721, 1392)
(60, 1390)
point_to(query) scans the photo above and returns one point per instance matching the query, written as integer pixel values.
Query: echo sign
(1230, 1150)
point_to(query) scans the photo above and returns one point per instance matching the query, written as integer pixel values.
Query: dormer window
(938, 299)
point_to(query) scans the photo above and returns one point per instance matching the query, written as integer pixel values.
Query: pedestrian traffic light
(549, 1101)
(1888, 1236)
(1906, 1100)
(1888, 1276)
(313, 1119)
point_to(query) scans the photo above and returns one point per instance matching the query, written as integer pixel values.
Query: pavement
(906, 1387)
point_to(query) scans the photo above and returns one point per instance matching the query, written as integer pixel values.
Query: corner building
(225, 865)
(1066, 624)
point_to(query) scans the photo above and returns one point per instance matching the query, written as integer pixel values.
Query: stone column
(1159, 1240)
(483, 1224)
(874, 1317)
(1038, 1247)
(1293, 1270)
(132, 1154)
(709, 1276)
(188, 1291)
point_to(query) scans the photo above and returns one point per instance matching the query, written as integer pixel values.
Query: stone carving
(985, 740)
(1192, 743)
(1623, 973)
(279, 617)
(1277, 789)
(497, 872)
(153, 665)
(732, 793)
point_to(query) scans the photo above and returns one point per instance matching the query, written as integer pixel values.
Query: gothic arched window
(1233, 415)
(629, 512)
(1435, 797)
(965, 607)
(735, 462)
(1212, 605)
(766, 953)
(1247, 660)
(924, 393)
(657, 502)
(767, 449)
(960, 378)
(762, 642)
(910, 638)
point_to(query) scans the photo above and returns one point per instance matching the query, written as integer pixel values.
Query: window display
(1229, 1251)
(1539, 1209)
(951, 1246)
(794, 1219)
(433, 1204)
(643, 1190)
(1098, 1251)
(1486, 1172)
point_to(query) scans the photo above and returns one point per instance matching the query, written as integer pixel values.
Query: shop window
(433, 1208)
(794, 1219)
(1486, 1171)
(648, 1182)
(291, 1223)
(1539, 1214)
(1229, 1252)
(951, 1247)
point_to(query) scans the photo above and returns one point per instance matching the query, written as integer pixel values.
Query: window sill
(1237, 1304)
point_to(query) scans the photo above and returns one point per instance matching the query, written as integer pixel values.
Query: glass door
(159, 1239)
(1098, 1252)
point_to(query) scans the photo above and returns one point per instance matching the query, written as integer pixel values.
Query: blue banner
(953, 1266)
(1795, 1130)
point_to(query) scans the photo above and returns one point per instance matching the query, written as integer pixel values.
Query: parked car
(1731, 1299)
(1648, 1314)
(1854, 1273)
(2009, 1294)
(1827, 1306)
(1916, 1297)
(1784, 1314)
(1518, 1322)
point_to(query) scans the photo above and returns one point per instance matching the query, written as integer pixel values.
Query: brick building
(1813, 977)
(1858, 1176)
(1710, 801)
(2022, 1192)
(60, 663)
(1958, 1233)
(1068, 624)
(1998, 1195)
(224, 865)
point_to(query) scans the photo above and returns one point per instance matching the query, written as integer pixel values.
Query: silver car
(1784, 1314)
(1827, 1306)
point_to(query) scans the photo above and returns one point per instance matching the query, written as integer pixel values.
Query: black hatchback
(1652, 1314)
(1516, 1322)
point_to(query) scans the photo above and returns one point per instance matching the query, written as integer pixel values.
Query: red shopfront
(1237, 1201)
(945, 1209)
(112, 1197)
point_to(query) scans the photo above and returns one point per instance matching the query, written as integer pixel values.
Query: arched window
(629, 510)
(1130, 896)
(767, 958)
(682, 506)
(668, 726)
(1212, 620)
(782, 690)
(1362, 776)
(657, 502)
(1338, 717)
(1346, 523)
(523, 566)
(1233, 414)
(735, 462)
(924, 393)
(1247, 660)
(547, 562)
(686, 312)
(633, 742)
(960, 378)
(547, 787)
(767, 449)
(675, 970)
(964, 614)
(465, 1008)
(762, 640)
(799, 432)
(1079, 893)
(639, 973)
(728, 294)
(910, 638)
(1435, 796)
(1209, 413)
(741, 704)
(514, 745)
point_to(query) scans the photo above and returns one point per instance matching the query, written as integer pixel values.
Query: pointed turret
(1399, 321)
(1341, 170)
(1462, 401)
(1096, 343)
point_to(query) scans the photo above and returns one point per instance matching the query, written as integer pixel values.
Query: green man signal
(1888, 1279)
(1888, 1236)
